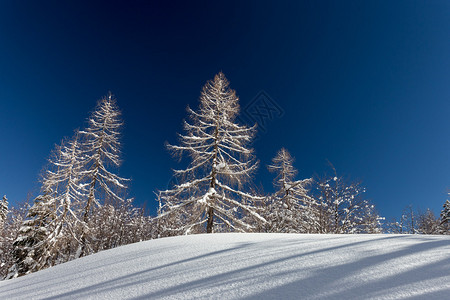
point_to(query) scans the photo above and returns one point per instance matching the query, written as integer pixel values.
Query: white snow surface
(251, 266)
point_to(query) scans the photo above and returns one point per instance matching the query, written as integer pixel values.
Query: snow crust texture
(251, 266)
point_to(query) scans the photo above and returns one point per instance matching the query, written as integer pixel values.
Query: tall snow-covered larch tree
(211, 191)
(101, 148)
(67, 175)
(291, 209)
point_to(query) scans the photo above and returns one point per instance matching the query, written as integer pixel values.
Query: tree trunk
(209, 227)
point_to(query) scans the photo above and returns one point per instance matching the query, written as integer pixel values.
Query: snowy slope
(252, 266)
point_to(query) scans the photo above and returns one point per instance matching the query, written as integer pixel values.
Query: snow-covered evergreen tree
(445, 218)
(48, 235)
(211, 195)
(3, 235)
(101, 148)
(291, 209)
(3, 211)
(30, 244)
(8, 235)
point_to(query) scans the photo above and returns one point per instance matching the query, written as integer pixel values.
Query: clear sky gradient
(363, 84)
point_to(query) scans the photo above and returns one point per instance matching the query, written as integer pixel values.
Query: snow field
(251, 266)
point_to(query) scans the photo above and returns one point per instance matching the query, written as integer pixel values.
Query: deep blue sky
(363, 84)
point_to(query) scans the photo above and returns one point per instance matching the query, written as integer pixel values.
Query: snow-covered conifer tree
(3, 235)
(101, 148)
(29, 246)
(291, 209)
(47, 233)
(8, 235)
(3, 211)
(66, 175)
(58, 226)
(211, 191)
(445, 218)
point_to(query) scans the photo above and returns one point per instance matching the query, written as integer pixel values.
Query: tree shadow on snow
(319, 282)
(144, 276)
(367, 288)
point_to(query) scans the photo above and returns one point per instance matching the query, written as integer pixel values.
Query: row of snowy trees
(422, 222)
(330, 204)
(83, 207)
(214, 192)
